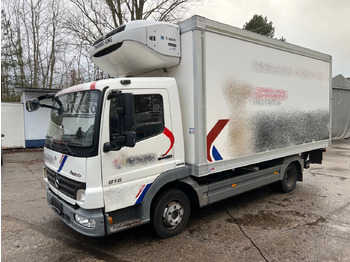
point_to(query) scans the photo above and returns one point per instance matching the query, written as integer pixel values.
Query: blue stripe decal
(139, 200)
(62, 163)
(216, 154)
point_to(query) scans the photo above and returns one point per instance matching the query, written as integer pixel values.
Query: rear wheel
(171, 213)
(290, 178)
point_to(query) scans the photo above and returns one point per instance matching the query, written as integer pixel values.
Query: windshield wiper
(68, 148)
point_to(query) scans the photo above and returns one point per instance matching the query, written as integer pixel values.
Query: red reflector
(93, 86)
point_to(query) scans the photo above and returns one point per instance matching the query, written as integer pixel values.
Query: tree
(89, 20)
(12, 64)
(104, 15)
(44, 44)
(259, 24)
(32, 41)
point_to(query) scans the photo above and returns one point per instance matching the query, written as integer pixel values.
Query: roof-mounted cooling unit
(137, 47)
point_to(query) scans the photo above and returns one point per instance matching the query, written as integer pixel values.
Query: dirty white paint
(125, 194)
(271, 99)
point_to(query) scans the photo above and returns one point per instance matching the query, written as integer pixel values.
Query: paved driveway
(310, 224)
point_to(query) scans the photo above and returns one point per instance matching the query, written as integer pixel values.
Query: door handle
(165, 157)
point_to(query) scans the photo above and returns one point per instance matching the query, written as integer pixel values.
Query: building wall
(12, 125)
(24, 129)
(340, 107)
(35, 123)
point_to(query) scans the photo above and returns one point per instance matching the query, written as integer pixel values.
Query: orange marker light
(110, 220)
(234, 185)
(275, 173)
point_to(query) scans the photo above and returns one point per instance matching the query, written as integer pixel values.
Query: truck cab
(107, 142)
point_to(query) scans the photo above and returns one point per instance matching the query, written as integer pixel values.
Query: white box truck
(196, 113)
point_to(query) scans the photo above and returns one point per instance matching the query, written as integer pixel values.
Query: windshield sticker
(84, 111)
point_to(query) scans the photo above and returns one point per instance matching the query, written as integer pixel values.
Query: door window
(149, 116)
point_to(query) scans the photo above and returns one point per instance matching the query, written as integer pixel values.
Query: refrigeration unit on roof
(137, 47)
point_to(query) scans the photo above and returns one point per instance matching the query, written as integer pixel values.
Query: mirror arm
(47, 96)
(112, 94)
(48, 106)
(108, 146)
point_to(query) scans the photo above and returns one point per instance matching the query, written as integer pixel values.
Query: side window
(149, 116)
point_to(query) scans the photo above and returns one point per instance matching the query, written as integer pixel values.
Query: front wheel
(171, 213)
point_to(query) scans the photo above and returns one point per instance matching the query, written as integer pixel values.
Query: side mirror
(126, 111)
(130, 138)
(123, 133)
(33, 105)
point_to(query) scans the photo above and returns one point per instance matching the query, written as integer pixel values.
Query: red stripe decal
(170, 135)
(93, 85)
(212, 135)
(142, 187)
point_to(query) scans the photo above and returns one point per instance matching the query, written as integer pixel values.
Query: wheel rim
(173, 214)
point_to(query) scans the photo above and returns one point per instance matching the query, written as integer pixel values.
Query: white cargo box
(137, 47)
(246, 98)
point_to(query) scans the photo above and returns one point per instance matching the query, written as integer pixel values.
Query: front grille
(65, 185)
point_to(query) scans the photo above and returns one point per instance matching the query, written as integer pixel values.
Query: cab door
(129, 172)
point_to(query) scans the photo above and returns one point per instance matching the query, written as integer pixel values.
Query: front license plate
(56, 205)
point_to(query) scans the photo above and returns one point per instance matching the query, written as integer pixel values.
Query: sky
(321, 25)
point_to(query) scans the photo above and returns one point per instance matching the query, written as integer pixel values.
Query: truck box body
(246, 98)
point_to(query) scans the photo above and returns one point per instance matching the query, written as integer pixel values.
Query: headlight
(81, 195)
(85, 221)
(45, 174)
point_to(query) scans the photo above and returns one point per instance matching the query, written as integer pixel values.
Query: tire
(290, 178)
(171, 213)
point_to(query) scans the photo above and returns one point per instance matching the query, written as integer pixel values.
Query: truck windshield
(73, 116)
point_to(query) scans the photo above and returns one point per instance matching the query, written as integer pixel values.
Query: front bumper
(67, 213)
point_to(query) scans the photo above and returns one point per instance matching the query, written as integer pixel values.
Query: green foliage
(260, 25)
